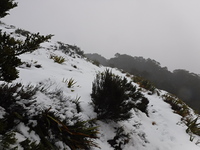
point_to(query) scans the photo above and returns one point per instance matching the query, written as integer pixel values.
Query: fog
(165, 30)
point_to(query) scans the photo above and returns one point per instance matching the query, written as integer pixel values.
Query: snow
(161, 130)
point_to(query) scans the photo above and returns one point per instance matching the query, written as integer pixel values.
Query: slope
(162, 129)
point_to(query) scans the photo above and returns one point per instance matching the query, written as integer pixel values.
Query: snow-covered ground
(161, 130)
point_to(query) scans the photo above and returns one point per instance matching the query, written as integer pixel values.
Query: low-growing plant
(17, 100)
(77, 103)
(177, 105)
(143, 83)
(8, 140)
(182, 109)
(95, 62)
(22, 32)
(70, 83)
(193, 126)
(113, 97)
(57, 59)
(120, 139)
(80, 135)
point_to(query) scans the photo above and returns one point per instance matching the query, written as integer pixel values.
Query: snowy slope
(161, 130)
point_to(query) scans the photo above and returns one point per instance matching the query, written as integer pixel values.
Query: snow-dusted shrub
(18, 102)
(120, 139)
(113, 97)
(193, 126)
(143, 83)
(11, 48)
(51, 128)
(6, 5)
(182, 109)
(58, 59)
(177, 105)
(22, 32)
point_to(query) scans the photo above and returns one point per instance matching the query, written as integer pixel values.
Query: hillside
(180, 82)
(51, 108)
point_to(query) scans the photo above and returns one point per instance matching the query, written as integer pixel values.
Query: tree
(6, 5)
(113, 97)
(10, 48)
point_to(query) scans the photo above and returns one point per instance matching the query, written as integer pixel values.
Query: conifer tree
(10, 47)
(6, 5)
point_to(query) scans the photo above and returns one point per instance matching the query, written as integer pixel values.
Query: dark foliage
(77, 136)
(10, 48)
(5, 6)
(17, 100)
(121, 138)
(22, 32)
(70, 49)
(181, 83)
(114, 97)
(11, 99)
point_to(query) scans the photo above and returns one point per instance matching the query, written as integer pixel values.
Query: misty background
(167, 31)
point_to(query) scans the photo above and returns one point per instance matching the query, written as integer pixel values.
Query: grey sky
(165, 30)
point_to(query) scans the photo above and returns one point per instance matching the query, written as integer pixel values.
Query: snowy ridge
(161, 130)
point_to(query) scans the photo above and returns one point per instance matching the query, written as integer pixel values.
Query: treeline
(182, 83)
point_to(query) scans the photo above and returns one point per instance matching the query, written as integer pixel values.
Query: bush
(120, 139)
(22, 32)
(143, 83)
(19, 102)
(6, 5)
(114, 97)
(11, 48)
(58, 59)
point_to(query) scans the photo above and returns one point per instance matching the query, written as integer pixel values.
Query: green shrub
(22, 32)
(143, 83)
(177, 105)
(70, 83)
(6, 5)
(193, 126)
(182, 109)
(58, 59)
(121, 138)
(114, 97)
(11, 48)
(80, 135)
(17, 100)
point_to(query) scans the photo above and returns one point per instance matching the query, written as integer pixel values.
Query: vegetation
(70, 49)
(181, 83)
(182, 109)
(5, 6)
(18, 100)
(22, 32)
(114, 97)
(70, 83)
(143, 83)
(11, 48)
(120, 139)
(58, 59)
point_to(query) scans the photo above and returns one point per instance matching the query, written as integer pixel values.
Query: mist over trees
(182, 83)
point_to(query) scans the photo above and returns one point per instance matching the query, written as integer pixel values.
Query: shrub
(193, 126)
(58, 59)
(114, 97)
(121, 138)
(18, 102)
(70, 83)
(177, 105)
(80, 135)
(22, 32)
(143, 83)
(6, 5)
(11, 48)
